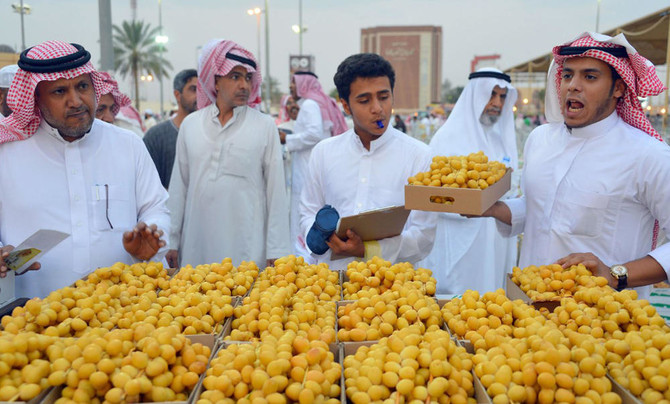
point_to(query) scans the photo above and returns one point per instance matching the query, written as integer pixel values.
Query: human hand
(172, 258)
(282, 136)
(352, 247)
(270, 262)
(4, 253)
(143, 242)
(591, 262)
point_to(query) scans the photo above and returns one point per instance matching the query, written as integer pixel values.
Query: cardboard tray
(40, 398)
(465, 200)
(513, 292)
(205, 339)
(626, 396)
(350, 348)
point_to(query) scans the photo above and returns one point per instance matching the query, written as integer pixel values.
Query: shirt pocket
(582, 213)
(112, 209)
(235, 161)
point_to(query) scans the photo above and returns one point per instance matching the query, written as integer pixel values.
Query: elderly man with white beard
(472, 254)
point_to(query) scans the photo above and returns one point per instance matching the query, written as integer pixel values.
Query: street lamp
(22, 9)
(257, 12)
(299, 29)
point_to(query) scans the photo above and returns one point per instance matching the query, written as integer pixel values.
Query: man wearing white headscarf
(318, 119)
(64, 170)
(227, 193)
(596, 176)
(471, 254)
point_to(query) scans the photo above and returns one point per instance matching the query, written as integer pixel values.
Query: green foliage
(136, 50)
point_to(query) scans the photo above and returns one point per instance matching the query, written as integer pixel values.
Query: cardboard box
(350, 348)
(43, 397)
(513, 292)
(626, 396)
(7, 289)
(465, 200)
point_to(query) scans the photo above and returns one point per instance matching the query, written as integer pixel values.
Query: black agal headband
(306, 73)
(59, 64)
(495, 75)
(241, 59)
(619, 52)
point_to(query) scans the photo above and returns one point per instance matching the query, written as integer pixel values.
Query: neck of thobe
(366, 137)
(225, 111)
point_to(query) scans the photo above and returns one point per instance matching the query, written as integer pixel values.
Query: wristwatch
(620, 273)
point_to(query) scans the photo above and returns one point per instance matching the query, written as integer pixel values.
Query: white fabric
(343, 174)
(128, 124)
(307, 132)
(471, 253)
(597, 189)
(551, 99)
(7, 75)
(48, 183)
(227, 193)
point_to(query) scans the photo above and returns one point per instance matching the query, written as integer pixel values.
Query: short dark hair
(182, 78)
(366, 65)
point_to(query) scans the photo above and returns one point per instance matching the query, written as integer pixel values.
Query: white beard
(488, 120)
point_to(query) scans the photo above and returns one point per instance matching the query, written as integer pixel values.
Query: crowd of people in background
(220, 178)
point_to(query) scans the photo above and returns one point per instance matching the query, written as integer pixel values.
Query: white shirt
(352, 179)
(227, 193)
(471, 253)
(596, 189)
(49, 183)
(307, 132)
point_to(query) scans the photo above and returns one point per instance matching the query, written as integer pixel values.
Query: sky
(518, 30)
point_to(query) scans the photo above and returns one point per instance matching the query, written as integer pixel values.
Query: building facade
(416, 55)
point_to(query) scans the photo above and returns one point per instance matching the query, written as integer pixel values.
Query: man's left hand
(590, 261)
(270, 262)
(282, 136)
(143, 242)
(352, 247)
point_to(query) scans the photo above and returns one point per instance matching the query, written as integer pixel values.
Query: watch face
(619, 270)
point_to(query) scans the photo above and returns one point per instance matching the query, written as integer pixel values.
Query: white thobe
(596, 189)
(307, 132)
(49, 183)
(352, 179)
(227, 193)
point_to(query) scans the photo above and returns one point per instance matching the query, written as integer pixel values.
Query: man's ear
(345, 105)
(619, 88)
(176, 95)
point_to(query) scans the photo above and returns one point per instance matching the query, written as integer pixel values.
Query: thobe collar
(596, 129)
(53, 132)
(214, 114)
(375, 144)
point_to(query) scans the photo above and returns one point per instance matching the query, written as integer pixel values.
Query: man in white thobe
(6, 76)
(227, 193)
(65, 170)
(595, 177)
(318, 118)
(367, 167)
(472, 254)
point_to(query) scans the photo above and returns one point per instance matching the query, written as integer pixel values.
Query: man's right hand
(499, 211)
(4, 253)
(282, 136)
(172, 258)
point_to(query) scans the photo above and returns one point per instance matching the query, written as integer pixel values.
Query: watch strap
(622, 282)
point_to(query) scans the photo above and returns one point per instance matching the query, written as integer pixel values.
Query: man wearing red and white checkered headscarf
(66, 171)
(112, 99)
(227, 192)
(596, 176)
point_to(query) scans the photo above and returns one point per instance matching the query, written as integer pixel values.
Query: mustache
(77, 111)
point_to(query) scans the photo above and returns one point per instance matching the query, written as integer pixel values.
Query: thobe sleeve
(277, 240)
(654, 193)
(518, 208)
(178, 186)
(312, 197)
(417, 238)
(309, 118)
(151, 198)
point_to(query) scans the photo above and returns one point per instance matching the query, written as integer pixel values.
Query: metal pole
(106, 46)
(268, 101)
(160, 29)
(23, 33)
(258, 33)
(300, 22)
(667, 80)
(598, 18)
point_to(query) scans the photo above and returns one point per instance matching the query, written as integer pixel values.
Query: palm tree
(135, 49)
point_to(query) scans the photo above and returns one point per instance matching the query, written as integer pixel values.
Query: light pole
(161, 40)
(257, 12)
(22, 9)
(598, 17)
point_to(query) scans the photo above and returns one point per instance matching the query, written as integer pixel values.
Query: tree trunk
(137, 87)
